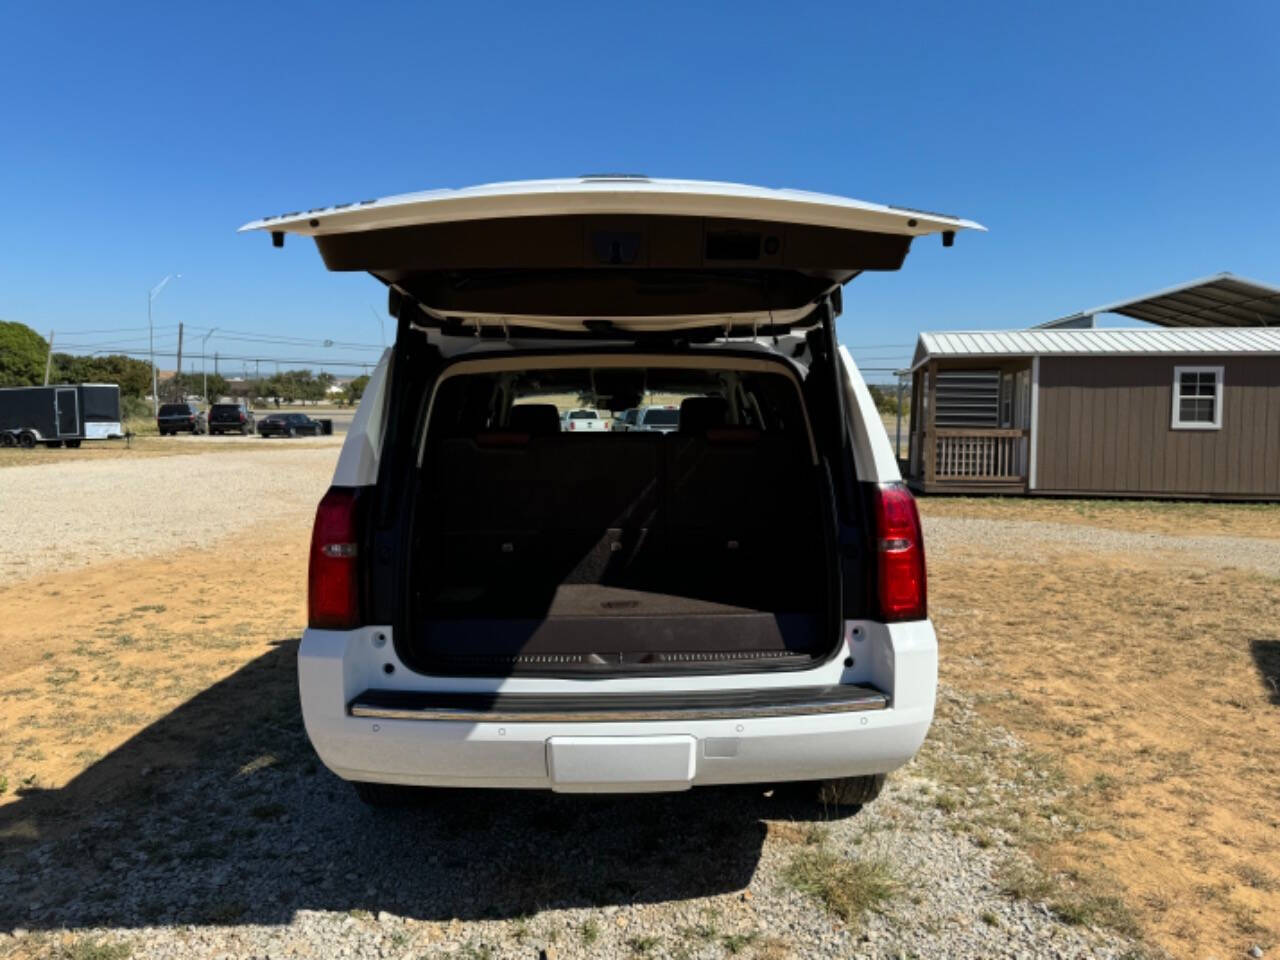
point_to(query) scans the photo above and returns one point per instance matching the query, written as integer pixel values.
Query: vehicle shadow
(219, 813)
(1266, 657)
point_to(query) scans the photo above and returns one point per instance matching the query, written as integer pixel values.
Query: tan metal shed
(1188, 409)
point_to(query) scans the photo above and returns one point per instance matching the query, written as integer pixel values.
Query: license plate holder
(621, 764)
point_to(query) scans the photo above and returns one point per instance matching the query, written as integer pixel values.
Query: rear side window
(662, 418)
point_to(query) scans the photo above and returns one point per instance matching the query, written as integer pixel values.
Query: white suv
(496, 604)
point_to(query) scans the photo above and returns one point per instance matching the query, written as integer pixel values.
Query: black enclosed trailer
(59, 414)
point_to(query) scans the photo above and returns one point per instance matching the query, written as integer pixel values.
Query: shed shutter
(968, 398)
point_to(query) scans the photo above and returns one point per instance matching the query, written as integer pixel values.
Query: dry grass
(147, 447)
(1148, 686)
(847, 888)
(1139, 516)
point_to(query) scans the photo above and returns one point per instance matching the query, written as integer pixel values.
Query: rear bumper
(749, 744)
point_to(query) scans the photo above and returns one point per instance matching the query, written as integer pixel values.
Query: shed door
(68, 407)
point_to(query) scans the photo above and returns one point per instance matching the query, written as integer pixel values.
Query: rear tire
(27, 441)
(7, 440)
(850, 791)
(386, 795)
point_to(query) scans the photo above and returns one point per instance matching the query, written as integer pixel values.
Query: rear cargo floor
(597, 625)
(587, 600)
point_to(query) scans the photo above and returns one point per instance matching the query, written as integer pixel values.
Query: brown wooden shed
(1187, 409)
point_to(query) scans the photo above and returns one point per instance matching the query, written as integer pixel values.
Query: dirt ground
(120, 646)
(1149, 683)
(1153, 681)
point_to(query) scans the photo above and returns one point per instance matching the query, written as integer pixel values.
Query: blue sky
(1111, 148)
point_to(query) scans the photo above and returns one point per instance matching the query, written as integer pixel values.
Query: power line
(167, 326)
(291, 361)
(299, 342)
(254, 335)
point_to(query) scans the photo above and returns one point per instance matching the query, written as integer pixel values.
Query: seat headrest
(538, 419)
(700, 414)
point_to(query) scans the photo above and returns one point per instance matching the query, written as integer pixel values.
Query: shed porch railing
(973, 454)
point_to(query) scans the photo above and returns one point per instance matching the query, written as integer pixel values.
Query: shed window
(1197, 398)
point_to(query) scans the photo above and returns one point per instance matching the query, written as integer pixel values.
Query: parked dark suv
(230, 418)
(179, 417)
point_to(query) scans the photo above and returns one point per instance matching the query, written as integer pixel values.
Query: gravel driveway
(59, 516)
(956, 535)
(244, 846)
(256, 851)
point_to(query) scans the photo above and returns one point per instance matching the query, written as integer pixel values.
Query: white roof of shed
(1193, 341)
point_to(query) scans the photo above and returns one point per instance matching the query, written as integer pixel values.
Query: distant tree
(307, 386)
(886, 397)
(283, 386)
(355, 389)
(22, 355)
(218, 387)
(133, 377)
(259, 389)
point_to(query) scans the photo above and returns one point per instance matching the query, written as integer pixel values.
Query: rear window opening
(662, 418)
(706, 549)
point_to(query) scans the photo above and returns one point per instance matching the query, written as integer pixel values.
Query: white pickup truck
(493, 603)
(583, 420)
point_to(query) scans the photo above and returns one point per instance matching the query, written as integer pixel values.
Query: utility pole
(48, 361)
(151, 338)
(203, 369)
(897, 448)
(177, 372)
(215, 363)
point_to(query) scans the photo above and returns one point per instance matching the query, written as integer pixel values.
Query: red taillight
(333, 578)
(900, 567)
(572, 425)
(242, 418)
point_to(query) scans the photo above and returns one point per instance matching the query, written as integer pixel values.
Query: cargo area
(542, 550)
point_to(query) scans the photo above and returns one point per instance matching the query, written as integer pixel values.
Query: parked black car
(288, 425)
(230, 418)
(179, 417)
